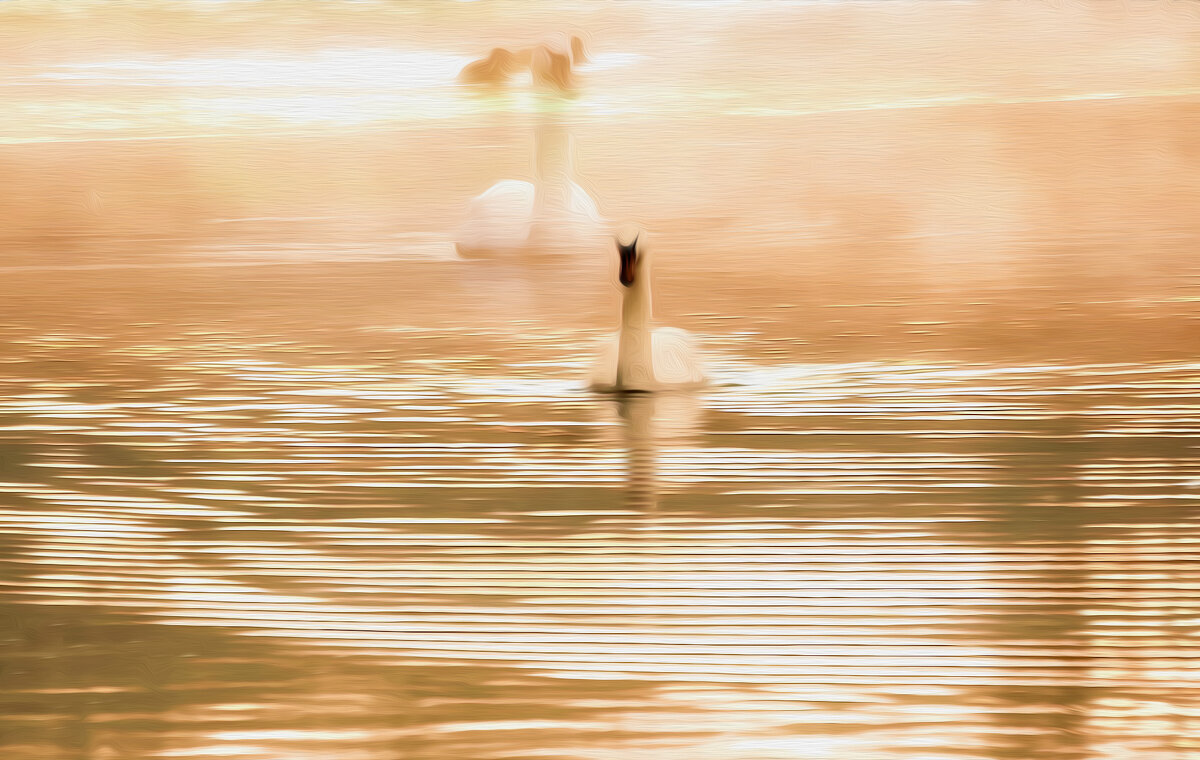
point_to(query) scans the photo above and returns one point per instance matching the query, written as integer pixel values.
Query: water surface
(281, 477)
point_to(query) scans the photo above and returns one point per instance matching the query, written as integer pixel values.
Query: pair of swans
(554, 214)
(557, 216)
(550, 65)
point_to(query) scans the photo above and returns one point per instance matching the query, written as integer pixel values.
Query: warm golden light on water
(766, 615)
(283, 477)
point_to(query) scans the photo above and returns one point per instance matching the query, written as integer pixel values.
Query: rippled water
(447, 558)
(281, 477)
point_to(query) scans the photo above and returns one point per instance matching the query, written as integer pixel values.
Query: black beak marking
(629, 261)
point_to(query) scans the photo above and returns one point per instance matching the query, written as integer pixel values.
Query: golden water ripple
(894, 561)
(283, 478)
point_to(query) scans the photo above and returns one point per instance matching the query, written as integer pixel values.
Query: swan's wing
(582, 205)
(568, 223)
(506, 195)
(677, 359)
(604, 369)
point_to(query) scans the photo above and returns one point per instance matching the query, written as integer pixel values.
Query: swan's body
(495, 69)
(673, 364)
(498, 221)
(512, 216)
(640, 357)
(553, 214)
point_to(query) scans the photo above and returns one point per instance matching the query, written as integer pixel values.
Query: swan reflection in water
(649, 424)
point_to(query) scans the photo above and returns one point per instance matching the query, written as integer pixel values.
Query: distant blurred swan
(552, 214)
(551, 64)
(638, 357)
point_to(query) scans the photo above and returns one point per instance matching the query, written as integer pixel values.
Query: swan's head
(629, 261)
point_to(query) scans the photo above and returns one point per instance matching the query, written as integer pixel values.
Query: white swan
(499, 221)
(514, 216)
(639, 357)
(551, 214)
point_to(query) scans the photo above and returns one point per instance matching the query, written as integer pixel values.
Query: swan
(552, 214)
(514, 216)
(551, 69)
(499, 220)
(493, 70)
(639, 357)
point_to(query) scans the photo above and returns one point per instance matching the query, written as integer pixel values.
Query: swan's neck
(635, 367)
(553, 164)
